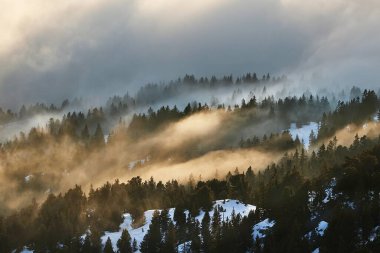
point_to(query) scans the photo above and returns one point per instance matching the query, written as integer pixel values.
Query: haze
(53, 50)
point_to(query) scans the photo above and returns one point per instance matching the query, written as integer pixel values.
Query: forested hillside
(228, 177)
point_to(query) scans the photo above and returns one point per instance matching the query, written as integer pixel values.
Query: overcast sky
(50, 50)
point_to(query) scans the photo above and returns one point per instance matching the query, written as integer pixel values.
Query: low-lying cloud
(50, 51)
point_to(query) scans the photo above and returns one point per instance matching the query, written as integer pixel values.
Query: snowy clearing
(303, 132)
(228, 206)
(260, 228)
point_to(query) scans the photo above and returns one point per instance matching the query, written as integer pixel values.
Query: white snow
(318, 231)
(303, 132)
(184, 247)
(329, 191)
(322, 226)
(374, 233)
(24, 250)
(260, 228)
(28, 178)
(228, 206)
(133, 164)
(316, 250)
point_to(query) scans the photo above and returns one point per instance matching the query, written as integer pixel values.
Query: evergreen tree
(195, 239)
(164, 220)
(124, 243)
(87, 247)
(85, 133)
(98, 138)
(108, 246)
(152, 241)
(205, 232)
(216, 229)
(134, 245)
(169, 245)
(74, 245)
(204, 198)
(180, 219)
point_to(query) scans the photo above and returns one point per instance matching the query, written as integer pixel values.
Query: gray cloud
(98, 48)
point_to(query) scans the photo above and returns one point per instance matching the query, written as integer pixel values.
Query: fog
(94, 49)
(184, 148)
(346, 135)
(51, 51)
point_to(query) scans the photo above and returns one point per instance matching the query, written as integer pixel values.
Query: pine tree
(86, 247)
(216, 229)
(312, 138)
(169, 245)
(98, 138)
(204, 197)
(96, 244)
(152, 241)
(74, 245)
(85, 133)
(134, 245)
(164, 220)
(180, 220)
(124, 243)
(108, 247)
(195, 239)
(205, 232)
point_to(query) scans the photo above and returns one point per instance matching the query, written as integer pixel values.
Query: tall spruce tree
(108, 246)
(152, 241)
(169, 245)
(205, 232)
(124, 243)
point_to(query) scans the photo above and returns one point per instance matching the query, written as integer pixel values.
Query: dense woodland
(291, 192)
(282, 191)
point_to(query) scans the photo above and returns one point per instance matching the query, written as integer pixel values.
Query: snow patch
(259, 230)
(133, 164)
(24, 250)
(329, 191)
(375, 233)
(322, 226)
(227, 207)
(184, 247)
(28, 178)
(303, 132)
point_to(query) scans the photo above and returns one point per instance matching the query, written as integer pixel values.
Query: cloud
(50, 51)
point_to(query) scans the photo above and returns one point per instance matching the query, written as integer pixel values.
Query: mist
(191, 146)
(109, 47)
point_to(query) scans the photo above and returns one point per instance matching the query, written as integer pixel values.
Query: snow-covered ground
(24, 250)
(260, 228)
(322, 226)
(303, 132)
(375, 233)
(28, 178)
(329, 191)
(228, 206)
(184, 247)
(133, 164)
